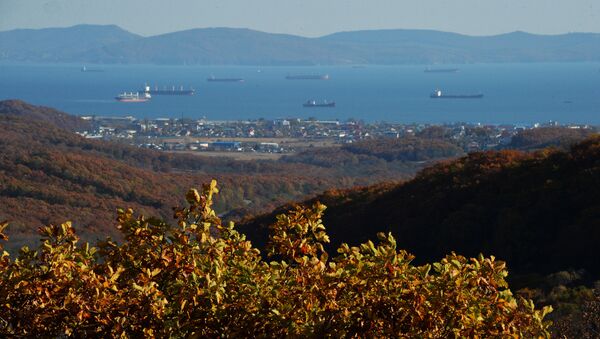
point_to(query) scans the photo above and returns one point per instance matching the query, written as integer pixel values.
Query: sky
(309, 17)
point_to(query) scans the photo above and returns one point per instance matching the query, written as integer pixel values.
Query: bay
(513, 93)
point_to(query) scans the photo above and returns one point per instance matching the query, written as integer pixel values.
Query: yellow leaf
(183, 305)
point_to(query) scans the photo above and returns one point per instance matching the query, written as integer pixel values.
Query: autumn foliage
(539, 212)
(49, 174)
(200, 277)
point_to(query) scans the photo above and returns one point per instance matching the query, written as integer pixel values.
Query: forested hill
(538, 211)
(538, 138)
(233, 46)
(49, 174)
(42, 114)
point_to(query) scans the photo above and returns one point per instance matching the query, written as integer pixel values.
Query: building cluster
(265, 135)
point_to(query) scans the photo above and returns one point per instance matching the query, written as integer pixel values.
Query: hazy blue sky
(309, 17)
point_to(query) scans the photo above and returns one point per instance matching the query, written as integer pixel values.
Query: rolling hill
(540, 211)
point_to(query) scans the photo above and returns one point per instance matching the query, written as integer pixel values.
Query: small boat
(437, 94)
(314, 103)
(85, 69)
(133, 97)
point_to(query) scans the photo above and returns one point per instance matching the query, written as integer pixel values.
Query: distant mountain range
(232, 46)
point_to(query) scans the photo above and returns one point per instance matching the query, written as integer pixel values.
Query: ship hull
(131, 100)
(307, 77)
(319, 105)
(224, 80)
(442, 70)
(473, 96)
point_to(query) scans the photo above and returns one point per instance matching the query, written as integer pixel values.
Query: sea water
(513, 93)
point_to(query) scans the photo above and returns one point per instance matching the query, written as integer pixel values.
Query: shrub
(200, 277)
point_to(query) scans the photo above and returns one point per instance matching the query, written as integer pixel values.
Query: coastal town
(290, 135)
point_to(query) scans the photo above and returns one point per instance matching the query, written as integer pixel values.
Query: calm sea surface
(514, 93)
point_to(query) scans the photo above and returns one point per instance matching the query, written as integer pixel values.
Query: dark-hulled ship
(441, 70)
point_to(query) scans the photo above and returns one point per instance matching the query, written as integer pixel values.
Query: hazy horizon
(309, 18)
(292, 34)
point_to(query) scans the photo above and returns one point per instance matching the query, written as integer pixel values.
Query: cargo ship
(314, 103)
(133, 97)
(308, 77)
(437, 94)
(168, 91)
(212, 78)
(441, 70)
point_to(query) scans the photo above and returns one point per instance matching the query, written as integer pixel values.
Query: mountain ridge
(53, 44)
(242, 46)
